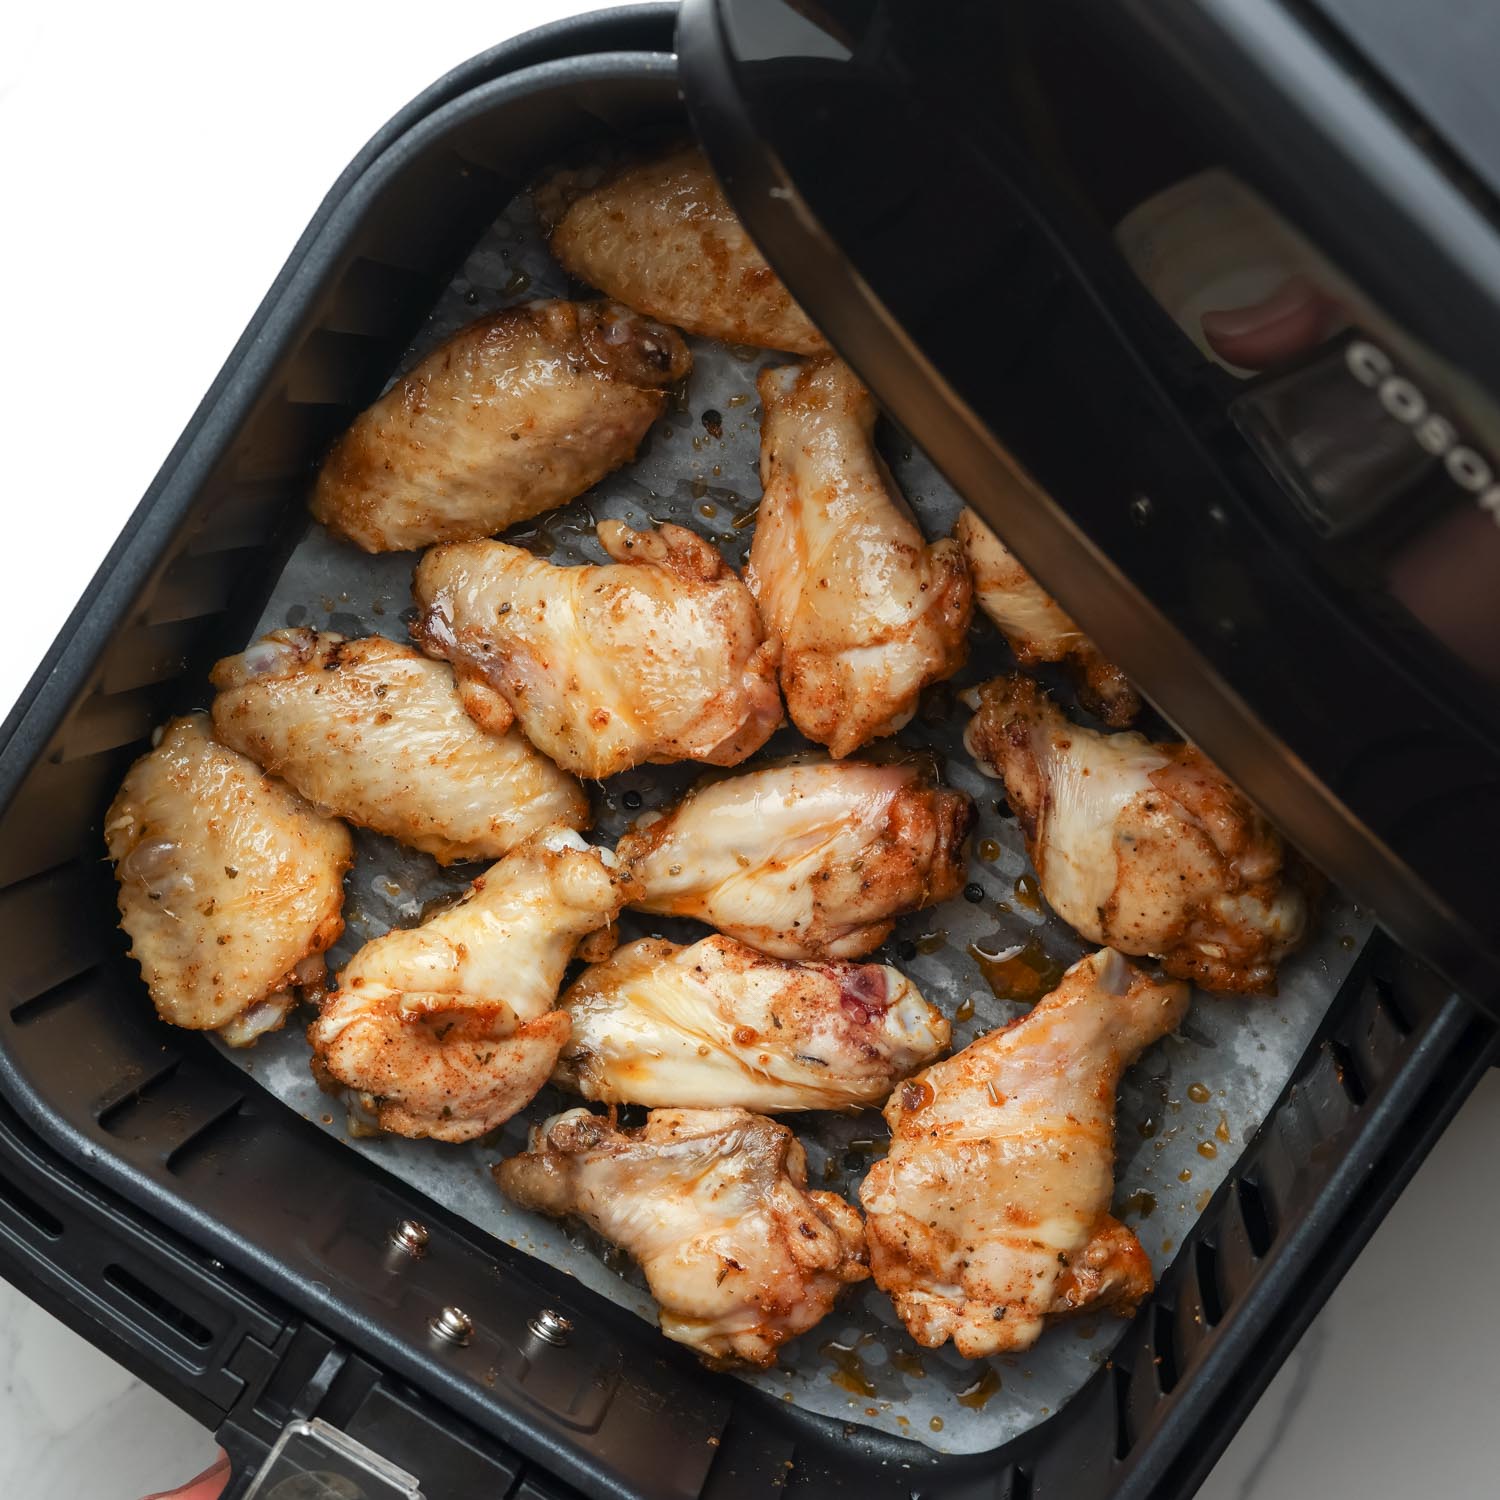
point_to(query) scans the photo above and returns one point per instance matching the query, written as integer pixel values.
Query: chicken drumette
(658, 656)
(513, 415)
(808, 859)
(715, 1206)
(867, 613)
(1037, 628)
(990, 1214)
(719, 1024)
(376, 732)
(231, 886)
(449, 1028)
(659, 236)
(1146, 847)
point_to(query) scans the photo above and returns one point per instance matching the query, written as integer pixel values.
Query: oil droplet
(1020, 971)
(849, 1373)
(1148, 1127)
(909, 1363)
(936, 1424)
(989, 850)
(1166, 1247)
(901, 1421)
(1142, 1203)
(1208, 1149)
(977, 1396)
(515, 284)
(745, 518)
(745, 1036)
(1185, 1175)
(965, 1011)
(1028, 892)
(1203, 1198)
(1198, 1093)
(915, 1096)
(326, 1119)
(931, 942)
(706, 510)
(1221, 1130)
(1347, 941)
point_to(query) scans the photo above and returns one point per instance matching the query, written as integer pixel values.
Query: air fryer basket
(239, 1259)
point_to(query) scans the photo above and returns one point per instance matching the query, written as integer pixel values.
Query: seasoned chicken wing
(515, 414)
(231, 886)
(449, 1028)
(376, 732)
(807, 859)
(1037, 628)
(659, 236)
(658, 656)
(718, 1024)
(991, 1214)
(867, 613)
(1149, 848)
(715, 1206)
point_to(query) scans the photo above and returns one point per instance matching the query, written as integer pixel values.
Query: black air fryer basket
(239, 1259)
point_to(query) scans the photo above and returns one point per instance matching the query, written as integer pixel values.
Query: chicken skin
(449, 1028)
(990, 1215)
(1037, 628)
(231, 886)
(810, 859)
(1148, 848)
(719, 1024)
(515, 414)
(715, 1206)
(376, 732)
(658, 656)
(659, 236)
(866, 612)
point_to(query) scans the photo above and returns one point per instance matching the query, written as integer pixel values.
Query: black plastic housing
(238, 1259)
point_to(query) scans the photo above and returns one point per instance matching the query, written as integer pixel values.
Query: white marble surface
(158, 161)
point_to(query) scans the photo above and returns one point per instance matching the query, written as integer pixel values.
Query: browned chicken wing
(867, 613)
(807, 859)
(515, 414)
(231, 886)
(715, 1206)
(658, 656)
(991, 1214)
(1149, 848)
(659, 236)
(374, 731)
(1037, 628)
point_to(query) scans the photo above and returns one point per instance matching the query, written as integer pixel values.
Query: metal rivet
(551, 1327)
(1141, 509)
(411, 1236)
(452, 1324)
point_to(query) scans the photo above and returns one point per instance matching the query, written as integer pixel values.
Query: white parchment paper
(1185, 1110)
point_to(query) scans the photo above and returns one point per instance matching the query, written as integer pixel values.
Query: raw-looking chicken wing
(990, 1214)
(374, 731)
(515, 414)
(715, 1206)
(1149, 848)
(231, 886)
(719, 1024)
(1036, 626)
(658, 656)
(449, 1028)
(867, 613)
(806, 859)
(660, 236)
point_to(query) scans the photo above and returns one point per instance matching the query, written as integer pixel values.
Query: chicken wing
(867, 613)
(659, 236)
(1037, 628)
(719, 1024)
(1149, 848)
(231, 886)
(659, 656)
(515, 414)
(376, 732)
(991, 1214)
(449, 1028)
(807, 859)
(714, 1204)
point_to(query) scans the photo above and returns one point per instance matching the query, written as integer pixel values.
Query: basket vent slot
(1164, 1341)
(56, 998)
(113, 1111)
(204, 1137)
(1124, 1433)
(1346, 1070)
(1256, 1219)
(1206, 1266)
(160, 1306)
(28, 1208)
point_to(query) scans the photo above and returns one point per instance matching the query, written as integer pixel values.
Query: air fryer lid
(1185, 311)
